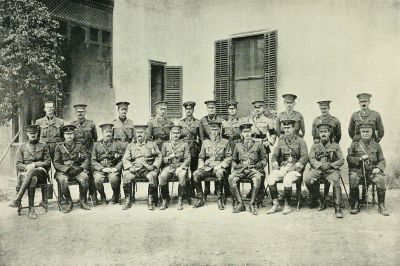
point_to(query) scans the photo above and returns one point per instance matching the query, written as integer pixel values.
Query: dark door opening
(157, 84)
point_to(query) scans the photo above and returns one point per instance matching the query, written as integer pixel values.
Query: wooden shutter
(270, 68)
(173, 91)
(222, 74)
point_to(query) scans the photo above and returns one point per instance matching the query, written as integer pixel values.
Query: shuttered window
(222, 74)
(173, 91)
(270, 68)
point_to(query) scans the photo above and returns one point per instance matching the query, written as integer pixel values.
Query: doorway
(157, 83)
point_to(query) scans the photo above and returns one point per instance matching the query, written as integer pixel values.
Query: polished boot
(261, 194)
(288, 196)
(186, 193)
(206, 188)
(103, 198)
(133, 192)
(200, 197)
(150, 200)
(45, 202)
(275, 203)
(354, 196)
(240, 206)
(321, 202)
(68, 201)
(227, 190)
(164, 197)
(253, 205)
(219, 188)
(127, 192)
(192, 189)
(83, 198)
(181, 189)
(381, 201)
(338, 211)
(299, 196)
(115, 195)
(155, 196)
(24, 186)
(216, 187)
(31, 200)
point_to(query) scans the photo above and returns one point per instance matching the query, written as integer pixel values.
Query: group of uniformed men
(230, 150)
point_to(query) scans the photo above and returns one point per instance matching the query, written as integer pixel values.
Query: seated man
(248, 161)
(72, 164)
(107, 163)
(288, 161)
(32, 163)
(176, 157)
(366, 165)
(214, 160)
(326, 158)
(142, 159)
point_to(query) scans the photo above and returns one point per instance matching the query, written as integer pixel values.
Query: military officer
(159, 126)
(176, 158)
(205, 126)
(248, 161)
(326, 118)
(290, 113)
(192, 134)
(231, 125)
(142, 158)
(86, 134)
(123, 126)
(107, 163)
(49, 128)
(366, 165)
(32, 163)
(326, 158)
(289, 158)
(214, 159)
(72, 164)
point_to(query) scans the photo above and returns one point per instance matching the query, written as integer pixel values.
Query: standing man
(214, 159)
(176, 157)
(32, 163)
(366, 115)
(248, 161)
(50, 128)
(72, 164)
(107, 163)
(142, 158)
(367, 165)
(291, 114)
(326, 118)
(205, 125)
(86, 134)
(192, 134)
(326, 158)
(123, 127)
(288, 161)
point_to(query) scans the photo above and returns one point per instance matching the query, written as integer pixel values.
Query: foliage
(30, 57)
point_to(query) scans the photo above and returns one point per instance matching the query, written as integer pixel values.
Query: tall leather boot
(206, 188)
(338, 195)
(127, 192)
(150, 198)
(68, 200)
(321, 199)
(219, 188)
(154, 194)
(354, 195)
(83, 198)
(31, 200)
(299, 196)
(24, 186)
(253, 205)
(240, 206)
(45, 202)
(133, 192)
(200, 197)
(164, 197)
(227, 190)
(103, 198)
(192, 188)
(216, 187)
(187, 193)
(275, 203)
(381, 201)
(181, 189)
(261, 194)
(115, 195)
(288, 196)
(92, 192)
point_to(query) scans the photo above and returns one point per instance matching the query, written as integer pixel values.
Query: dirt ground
(107, 235)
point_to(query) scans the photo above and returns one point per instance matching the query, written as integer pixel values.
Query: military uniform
(32, 164)
(248, 161)
(375, 160)
(213, 154)
(177, 166)
(50, 131)
(72, 164)
(192, 134)
(137, 157)
(205, 124)
(124, 131)
(108, 154)
(325, 161)
(336, 131)
(158, 130)
(369, 116)
(299, 128)
(230, 129)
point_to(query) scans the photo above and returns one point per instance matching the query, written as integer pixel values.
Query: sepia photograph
(200, 132)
